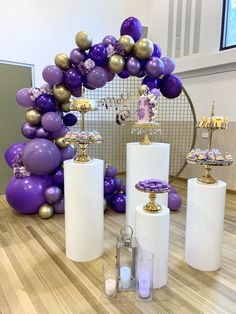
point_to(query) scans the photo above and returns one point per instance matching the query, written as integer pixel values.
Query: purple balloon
(109, 185)
(109, 40)
(60, 133)
(110, 171)
(156, 51)
(151, 82)
(67, 153)
(12, 151)
(132, 27)
(41, 133)
(110, 75)
(171, 86)
(59, 206)
(118, 202)
(77, 55)
(41, 156)
(169, 65)
(98, 54)
(53, 194)
(28, 130)
(45, 103)
(26, 195)
(58, 176)
(108, 198)
(124, 74)
(123, 188)
(88, 86)
(141, 73)
(23, 98)
(51, 121)
(97, 77)
(72, 78)
(174, 201)
(76, 92)
(118, 183)
(172, 190)
(52, 74)
(133, 66)
(70, 119)
(154, 67)
(155, 92)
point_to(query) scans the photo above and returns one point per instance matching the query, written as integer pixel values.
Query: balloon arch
(38, 181)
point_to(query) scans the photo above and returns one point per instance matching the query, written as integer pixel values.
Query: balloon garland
(37, 184)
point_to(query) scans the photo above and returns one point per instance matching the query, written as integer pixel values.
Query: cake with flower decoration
(147, 108)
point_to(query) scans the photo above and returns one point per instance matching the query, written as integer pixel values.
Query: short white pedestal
(144, 162)
(84, 215)
(152, 233)
(204, 224)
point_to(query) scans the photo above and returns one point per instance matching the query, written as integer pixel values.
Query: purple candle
(144, 286)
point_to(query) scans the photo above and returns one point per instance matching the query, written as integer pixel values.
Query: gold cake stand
(146, 129)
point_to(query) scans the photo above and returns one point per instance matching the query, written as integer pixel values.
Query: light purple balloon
(109, 40)
(23, 98)
(52, 74)
(41, 133)
(29, 131)
(67, 153)
(110, 75)
(97, 77)
(77, 55)
(41, 156)
(133, 66)
(59, 206)
(169, 65)
(51, 121)
(12, 151)
(53, 194)
(63, 130)
(154, 67)
(155, 92)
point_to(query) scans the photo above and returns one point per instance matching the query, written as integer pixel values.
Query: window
(228, 31)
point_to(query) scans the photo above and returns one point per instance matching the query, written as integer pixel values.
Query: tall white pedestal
(152, 234)
(204, 224)
(144, 162)
(84, 215)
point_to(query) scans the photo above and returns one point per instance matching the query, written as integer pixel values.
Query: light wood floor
(36, 276)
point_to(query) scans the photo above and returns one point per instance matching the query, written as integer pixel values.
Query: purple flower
(37, 91)
(119, 49)
(110, 50)
(86, 66)
(18, 169)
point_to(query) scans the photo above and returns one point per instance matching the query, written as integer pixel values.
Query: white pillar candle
(110, 287)
(125, 274)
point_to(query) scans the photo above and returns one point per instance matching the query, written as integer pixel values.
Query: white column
(84, 215)
(144, 162)
(152, 234)
(204, 224)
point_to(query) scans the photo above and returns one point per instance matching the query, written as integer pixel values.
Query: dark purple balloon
(41, 156)
(124, 74)
(53, 194)
(28, 130)
(77, 55)
(52, 74)
(63, 130)
(59, 206)
(169, 65)
(108, 198)
(110, 171)
(109, 185)
(70, 119)
(58, 176)
(97, 77)
(26, 195)
(76, 92)
(45, 103)
(141, 73)
(12, 151)
(154, 67)
(41, 133)
(174, 201)
(151, 82)
(118, 183)
(118, 202)
(132, 27)
(171, 86)
(67, 153)
(123, 188)
(108, 40)
(133, 65)
(51, 121)
(72, 78)
(156, 51)
(23, 98)
(98, 54)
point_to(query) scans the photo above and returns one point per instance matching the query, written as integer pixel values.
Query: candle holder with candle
(110, 280)
(126, 250)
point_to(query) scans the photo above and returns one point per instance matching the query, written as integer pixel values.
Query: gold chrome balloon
(66, 106)
(143, 89)
(62, 61)
(33, 116)
(127, 42)
(60, 142)
(46, 211)
(143, 48)
(83, 40)
(116, 63)
(61, 93)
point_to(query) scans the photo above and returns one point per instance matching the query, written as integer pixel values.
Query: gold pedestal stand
(207, 178)
(146, 129)
(152, 206)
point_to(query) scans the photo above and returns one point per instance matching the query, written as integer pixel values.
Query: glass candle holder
(110, 280)
(144, 275)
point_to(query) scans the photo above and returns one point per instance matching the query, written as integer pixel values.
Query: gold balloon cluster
(61, 93)
(33, 116)
(63, 61)
(143, 48)
(46, 211)
(60, 142)
(143, 89)
(127, 42)
(116, 63)
(83, 40)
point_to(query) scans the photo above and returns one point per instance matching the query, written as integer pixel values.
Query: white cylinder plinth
(204, 224)
(152, 234)
(84, 214)
(144, 162)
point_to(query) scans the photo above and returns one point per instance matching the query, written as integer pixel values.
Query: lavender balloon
(41, 133)
(51, 121)
(72, 78)
(53, 194)
(77, 55)
(60, 133)
(52, 74)
(28, 130)
(110, 75)
(154, 67)
(133, 66)
(109, 40)
(151, 82)
(58, 176)
(97, 77)
(124, 74)
(59, 206)
(41, 156)
(98, 54)
(155, 92)
(67, 153)
(169, 65)
(156, 51)
(12, 151)
(171, 86)
(132, 27)
(110, 171)
(174, 201)
(45, 103)
(23, 98)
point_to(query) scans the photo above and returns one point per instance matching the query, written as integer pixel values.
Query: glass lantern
(126, 251)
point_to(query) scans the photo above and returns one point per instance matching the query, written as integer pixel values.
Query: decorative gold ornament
(46, 211)
(152, 206)
(62, 61)
(83, 40)
(127, 42)
(143, 89)
(33, 116)
(60, 142)
(143, 48)
(65, 107)
(61, 93)
(116, 63)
